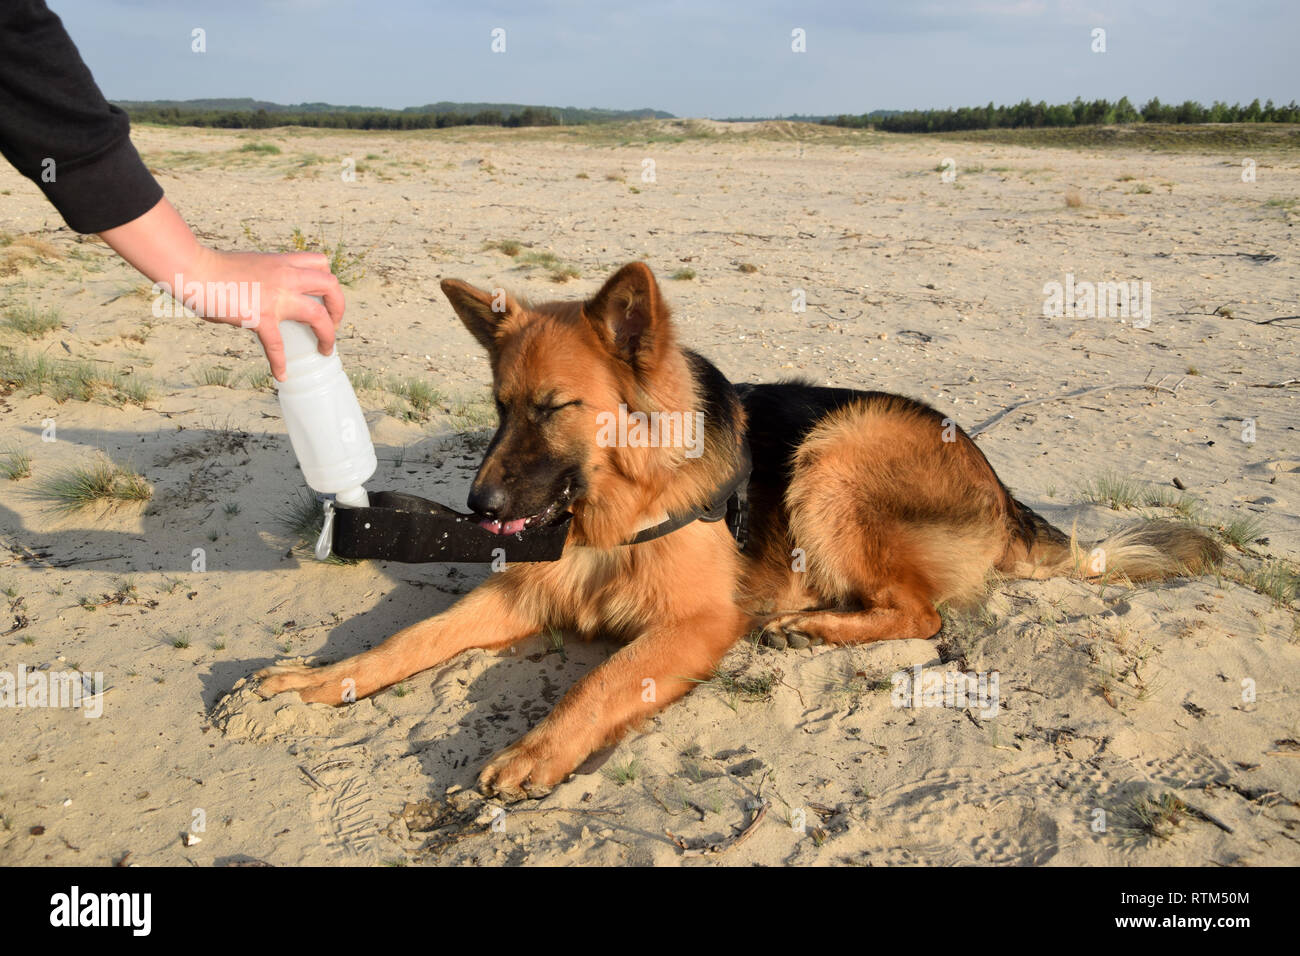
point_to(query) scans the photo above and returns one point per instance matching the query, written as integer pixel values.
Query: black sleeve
(51, 109)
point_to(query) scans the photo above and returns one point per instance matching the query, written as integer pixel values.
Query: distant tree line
(1078, 113)
(351, 119)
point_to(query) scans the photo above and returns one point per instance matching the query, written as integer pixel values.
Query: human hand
(258, 290)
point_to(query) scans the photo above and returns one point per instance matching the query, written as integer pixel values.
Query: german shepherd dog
(866, 509)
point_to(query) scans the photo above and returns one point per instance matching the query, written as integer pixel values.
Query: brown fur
(885, 509)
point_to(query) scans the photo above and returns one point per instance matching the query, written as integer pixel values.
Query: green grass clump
(547, 260)
(216, 375)
(1156, 818)
(102, 481)
(1276, 579)
(509, 247)
(31, 321)
(751, 689)
(1242, 531)
(625, 773)
(15, 464)
(365, 380)
(683, 275)
(269, 149)
(348, 267)
(473, 412)
(302, 518)
(18, 252)
(133, 390)
(261, 381)
(63, 380)
(1186, 505)
(419, 395)
(1113, 490)
(558, 270)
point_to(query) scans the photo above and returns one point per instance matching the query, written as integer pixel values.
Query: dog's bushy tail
(1144, 551)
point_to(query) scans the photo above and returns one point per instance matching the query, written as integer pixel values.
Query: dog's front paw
(784, 632)
(530, 768)
(316, 685)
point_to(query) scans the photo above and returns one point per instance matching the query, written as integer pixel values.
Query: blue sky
(692, 57)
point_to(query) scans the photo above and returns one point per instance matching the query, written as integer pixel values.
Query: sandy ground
(1111, 697)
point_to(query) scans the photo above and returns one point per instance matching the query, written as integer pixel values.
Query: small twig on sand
(594, 811)
(840, 318)
(990, 422)
(722, 847)
(1217, 313)
(1221, 312)
(311, 778)
(1208, 818)
(329, 764)
(1252, 256)
(71, 562)
(781, 680)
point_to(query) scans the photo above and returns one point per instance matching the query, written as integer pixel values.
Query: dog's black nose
(487, 500)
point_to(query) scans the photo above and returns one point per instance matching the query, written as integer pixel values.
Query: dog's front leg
(655, 669)
(488, 616)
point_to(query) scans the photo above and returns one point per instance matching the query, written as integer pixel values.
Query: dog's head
(559, 370)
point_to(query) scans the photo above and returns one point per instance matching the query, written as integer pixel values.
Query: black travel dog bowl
(414, 530)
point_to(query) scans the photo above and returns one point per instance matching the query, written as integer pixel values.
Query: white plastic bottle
(321, 412)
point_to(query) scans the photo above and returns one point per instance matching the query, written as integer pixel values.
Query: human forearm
(253, 289)
(159, 244)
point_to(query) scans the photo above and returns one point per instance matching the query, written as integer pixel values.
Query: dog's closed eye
(550, 407)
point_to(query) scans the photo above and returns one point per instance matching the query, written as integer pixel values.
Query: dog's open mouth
(548, 515)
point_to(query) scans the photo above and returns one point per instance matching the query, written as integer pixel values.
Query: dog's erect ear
(482, 312)
(629, 315)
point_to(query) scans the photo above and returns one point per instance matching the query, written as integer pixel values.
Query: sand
(1110, 697)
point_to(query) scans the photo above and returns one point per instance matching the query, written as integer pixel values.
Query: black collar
(731, 501)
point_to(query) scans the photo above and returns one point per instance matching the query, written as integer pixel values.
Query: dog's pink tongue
(508, 527)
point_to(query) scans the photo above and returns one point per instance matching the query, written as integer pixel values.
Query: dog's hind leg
(897, 613)
(486, 617)
(891, 517)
